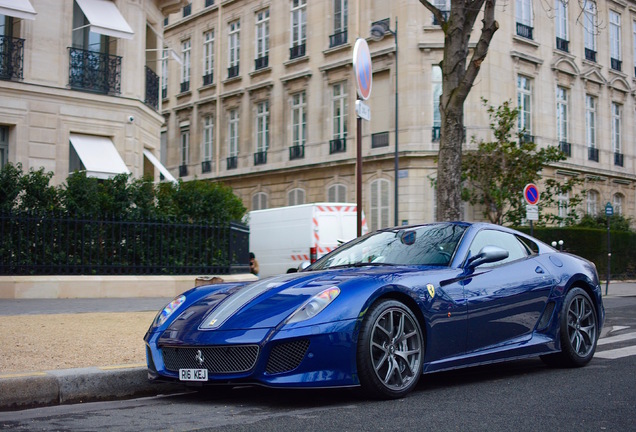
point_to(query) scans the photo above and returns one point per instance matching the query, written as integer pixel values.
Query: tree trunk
(450, 158)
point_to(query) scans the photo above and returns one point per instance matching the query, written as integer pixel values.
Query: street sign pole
(609, 212)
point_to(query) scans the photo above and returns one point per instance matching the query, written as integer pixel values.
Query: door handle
(539, 270)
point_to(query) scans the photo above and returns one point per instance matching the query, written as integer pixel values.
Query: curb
(37, 389)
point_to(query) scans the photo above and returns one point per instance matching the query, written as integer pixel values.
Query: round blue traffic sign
(362, 68)
(531, 193)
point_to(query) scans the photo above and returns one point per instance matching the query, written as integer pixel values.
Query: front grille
(287, 356)
(216, 359)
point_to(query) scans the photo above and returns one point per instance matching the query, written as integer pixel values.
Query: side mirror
(487, 254)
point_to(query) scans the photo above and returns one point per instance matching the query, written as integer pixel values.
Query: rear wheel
(578, 331)
(390, 350)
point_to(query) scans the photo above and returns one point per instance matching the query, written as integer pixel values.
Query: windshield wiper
(361, 264)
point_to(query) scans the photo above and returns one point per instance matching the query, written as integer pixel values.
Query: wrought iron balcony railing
(94, 71)
(590, 55)
(260, 158)
(526, 138)
(232, 162)
(233, 71)
(261, 62)
(183, 170)
(185, 86)
(445, 14)
(566, 148)
(338, 145)
(562, 44)
(592, 154)
(164, 92)
(297, 51)
(152, 89)
(380, 139)
(296, 152)
(208, 79)
(524, 31)
(437, 134)
(618, 159)
(337, 39)
(616, 64)
(206, 166)
(11, 58)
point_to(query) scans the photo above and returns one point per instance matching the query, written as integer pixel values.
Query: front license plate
(193, 374)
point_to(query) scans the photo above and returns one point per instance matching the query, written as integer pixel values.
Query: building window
(524, 103)
(262, 126)
(444, 7)
(634, 42)
(615, 40)
(298, 28)
(590, 24)
(299, 119)
(234, 48)
(340, 20)
(296, 197)
(209, 3)
(4, 146)
(259, 201)
(208, 57)
(436, 83)
(379, 204)
(561, 24)
(592, 202)
(618, 203)
(187, 10)
(562, 119)
(590, 127)
(184, 152)
(616, 133)
(185, 66)
(262, 39)
(524, 18)
(232, 133)
(564, 203)
(337, 193)
(208, 139)
(339, 111)
(164, 73)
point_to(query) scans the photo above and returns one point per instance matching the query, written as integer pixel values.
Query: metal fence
(48, 244)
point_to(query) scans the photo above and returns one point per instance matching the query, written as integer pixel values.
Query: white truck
(283, 238)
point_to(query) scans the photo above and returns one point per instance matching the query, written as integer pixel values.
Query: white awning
(162, 169)
(105, 18)
(99, 156)
(17, 9)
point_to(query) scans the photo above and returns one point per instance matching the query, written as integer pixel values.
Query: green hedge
(591, 243)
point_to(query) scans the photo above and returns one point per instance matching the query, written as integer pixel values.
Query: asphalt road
(521, 396)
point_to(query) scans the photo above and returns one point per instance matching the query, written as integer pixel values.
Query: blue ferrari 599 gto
(384, 309)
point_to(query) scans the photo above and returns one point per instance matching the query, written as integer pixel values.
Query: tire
(390, 351)
(578, 331)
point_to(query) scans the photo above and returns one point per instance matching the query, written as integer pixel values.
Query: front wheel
(390, 350)
(578, 331)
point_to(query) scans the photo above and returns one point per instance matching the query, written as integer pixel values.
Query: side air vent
(546, 317)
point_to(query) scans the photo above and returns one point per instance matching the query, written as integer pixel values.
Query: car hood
(267, 303)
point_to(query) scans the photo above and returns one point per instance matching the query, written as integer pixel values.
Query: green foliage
(617, 222)
(495, 174)
(10, 186)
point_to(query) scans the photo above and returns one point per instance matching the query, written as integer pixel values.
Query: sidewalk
(21, 390)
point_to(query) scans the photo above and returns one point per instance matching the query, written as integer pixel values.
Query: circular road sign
(362, 68)
(531, 193)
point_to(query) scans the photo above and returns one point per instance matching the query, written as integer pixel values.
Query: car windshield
(425, 245)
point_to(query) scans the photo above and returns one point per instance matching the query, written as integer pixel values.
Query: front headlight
(169, 310)
(314, 305)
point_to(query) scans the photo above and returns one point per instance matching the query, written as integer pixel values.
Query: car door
(504, 299)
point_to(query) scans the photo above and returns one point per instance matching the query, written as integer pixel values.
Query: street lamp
(378, 30)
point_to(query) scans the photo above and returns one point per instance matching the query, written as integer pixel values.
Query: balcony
(185, 86)
(590, 55)
(261, 62)
(297, 51)
(338, 39)
(209, 3)
(187, 10)
(233, 71)
(380, 139)
(260, 158)
(208, 79)
(437, 134)
(562, 45)
(618, 159)
(524, 31)
(206, 166)
(526, 138)
(11, 58)
(183, 170)
(445, 14)
(616, 64)
(164, 92)
(338, 145)
(297, 152)
(152, 89)
(592, 154)
(93, 71)
(232, 162)
(566, 148)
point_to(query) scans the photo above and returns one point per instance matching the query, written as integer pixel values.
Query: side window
(506, 241)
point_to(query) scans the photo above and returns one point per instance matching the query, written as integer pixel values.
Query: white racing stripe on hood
(239, 299)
